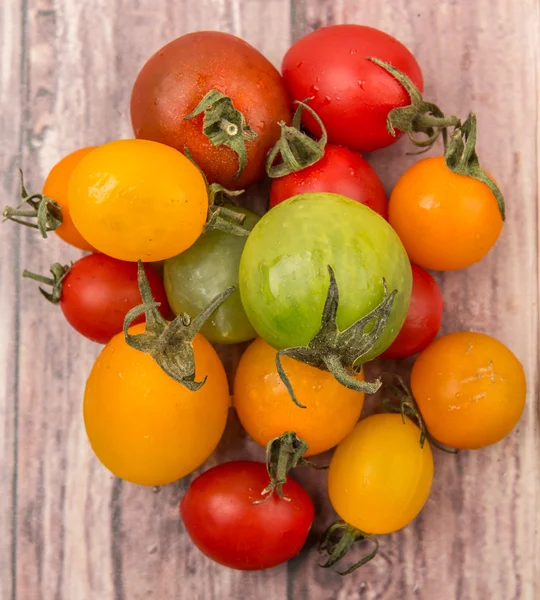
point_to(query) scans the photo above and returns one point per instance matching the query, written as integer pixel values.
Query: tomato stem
(220, 217)
(338, 539)
(169, 344)
(461, 158)
(284, 453)
(297, 150)
(419, 116)
(46, 212)
(408, 408)
(58, 274)
(341, 352)
(223, 125)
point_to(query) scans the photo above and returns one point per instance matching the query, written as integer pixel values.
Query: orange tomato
(56, 187)
(266, 409)
(470, 389)
(136, 199)
(143, 425)
(445, 221)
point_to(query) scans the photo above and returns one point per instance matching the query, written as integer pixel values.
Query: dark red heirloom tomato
(221, 519)
(423, 320)
(174, 81)
(339, 171)
(98, 292)
(351, 94)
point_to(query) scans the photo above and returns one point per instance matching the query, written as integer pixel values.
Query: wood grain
(69, 529)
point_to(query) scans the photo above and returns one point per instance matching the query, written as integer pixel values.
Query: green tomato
(192, 279)
(284, 277)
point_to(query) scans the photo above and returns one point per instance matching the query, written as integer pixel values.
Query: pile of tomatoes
(330, 278)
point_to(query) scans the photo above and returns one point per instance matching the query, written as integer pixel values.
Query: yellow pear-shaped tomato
(379, 477)
(136, 199)
(143, 425)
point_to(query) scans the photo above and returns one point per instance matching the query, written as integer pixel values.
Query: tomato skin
(129, 197)
(470, 389)
(173, 82)
(351, 94)
(284, 277)
(431, 207)
(143, 425)
(56, 187)
(221, 519)
(195, 277)
(99, 291)
(379, 477)
(339, 171)
(264, 405)
(423, 318)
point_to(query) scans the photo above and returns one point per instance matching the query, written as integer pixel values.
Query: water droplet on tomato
(352, 171)
(326, 100)
(362, 84)
(314, 89)
(354, 51)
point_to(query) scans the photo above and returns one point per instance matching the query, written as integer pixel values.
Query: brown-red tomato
(173, 82)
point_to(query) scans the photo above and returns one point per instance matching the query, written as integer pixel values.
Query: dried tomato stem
(338, 539)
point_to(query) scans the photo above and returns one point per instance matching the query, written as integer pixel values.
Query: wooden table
(71, 531)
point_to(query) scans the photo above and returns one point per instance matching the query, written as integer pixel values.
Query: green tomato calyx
(44, 214)
(169, 344)
(338, 539)
(223, 125)
(297, 150)
(283, 453)
(58, 274)
(220, 216)
(419, 116)
(341, 352)
(398, 389)
(461, 158)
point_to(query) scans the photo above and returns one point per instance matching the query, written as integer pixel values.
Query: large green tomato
(195, 277)
(284, 277)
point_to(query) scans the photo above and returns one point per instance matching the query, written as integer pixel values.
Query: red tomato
(175, 80)
(99, 291)
(340, 171)
(351, 94)
(424, 318)
(221, 519)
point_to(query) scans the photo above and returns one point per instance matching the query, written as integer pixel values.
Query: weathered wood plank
(476, 537)
(12, 100)
(79, 533)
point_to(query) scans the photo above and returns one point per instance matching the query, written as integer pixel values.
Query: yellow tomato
(144, 426)
(379, 477)
(56, 187)
(469, 388)
(136, 199)
(266, 410)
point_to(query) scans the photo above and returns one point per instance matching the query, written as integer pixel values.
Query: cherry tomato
(423, 319)
(175, 80)
(284, 269)
(351, 94)
(143, 425)
(221, 518)
(379, 477)
(470, 389)
(135, 199)
(98, 292)
(56, 187)
(339, 171)
(195, 277)
(446, 221)
(265, 409)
